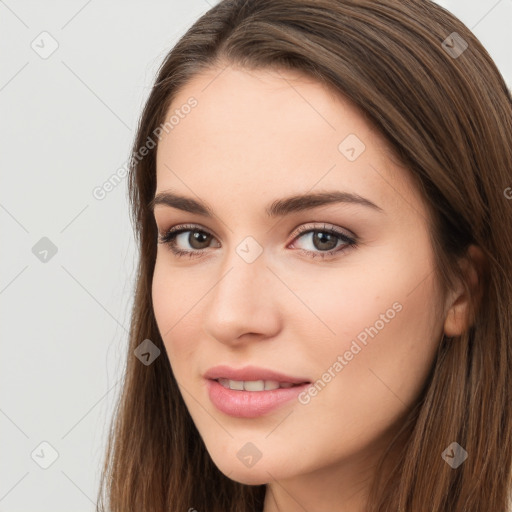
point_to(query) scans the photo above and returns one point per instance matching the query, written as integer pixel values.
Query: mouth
(253, 378)
(252, 398)
(256, 385)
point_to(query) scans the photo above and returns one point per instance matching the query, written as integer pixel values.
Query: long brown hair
(446, 112)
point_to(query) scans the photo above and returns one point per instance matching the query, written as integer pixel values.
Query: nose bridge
(245, 265)
(244, 278)
(242, 300)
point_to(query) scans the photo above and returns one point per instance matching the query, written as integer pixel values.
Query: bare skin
(255, 137)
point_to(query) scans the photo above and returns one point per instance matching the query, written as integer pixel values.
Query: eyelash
(169, 238)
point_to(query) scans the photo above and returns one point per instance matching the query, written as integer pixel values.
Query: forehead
(272, 133)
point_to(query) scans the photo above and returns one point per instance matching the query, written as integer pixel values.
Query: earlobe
(456, 320)
(459, 318)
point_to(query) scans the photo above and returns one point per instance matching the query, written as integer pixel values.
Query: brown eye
(323, 241)
(197, 239)
(186, 240)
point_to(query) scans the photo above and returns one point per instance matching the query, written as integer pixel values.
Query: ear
(458, 318)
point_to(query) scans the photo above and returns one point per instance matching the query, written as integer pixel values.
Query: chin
(247, 477)
(256, 475)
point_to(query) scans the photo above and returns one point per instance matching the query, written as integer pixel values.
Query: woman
(322, 321)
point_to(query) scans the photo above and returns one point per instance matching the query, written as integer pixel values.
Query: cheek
(381, 317)
(175, 304)
(377, 362)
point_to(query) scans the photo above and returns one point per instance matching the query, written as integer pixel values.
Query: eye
(325, 241)
(197, 238)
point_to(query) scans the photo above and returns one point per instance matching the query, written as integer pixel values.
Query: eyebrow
(278, 208)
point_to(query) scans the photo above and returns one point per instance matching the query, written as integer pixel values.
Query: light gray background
(67, 122)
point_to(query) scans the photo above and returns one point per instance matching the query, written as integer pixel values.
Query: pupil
(199, 238)
(324, 238)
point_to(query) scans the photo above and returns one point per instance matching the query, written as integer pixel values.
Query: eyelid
(188, 226)
(299, 230)
(309, 226)
(180, 228)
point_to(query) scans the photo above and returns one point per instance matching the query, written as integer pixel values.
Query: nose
(243, 303)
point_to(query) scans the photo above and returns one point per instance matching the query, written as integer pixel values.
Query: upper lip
(250, 373)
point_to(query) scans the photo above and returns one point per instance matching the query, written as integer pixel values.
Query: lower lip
(250, 404)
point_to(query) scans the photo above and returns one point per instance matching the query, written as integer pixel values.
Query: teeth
(236, 384)
(253, 385)
(271, 384)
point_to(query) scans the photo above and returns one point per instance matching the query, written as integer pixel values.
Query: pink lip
(250, 404)
(250, 373)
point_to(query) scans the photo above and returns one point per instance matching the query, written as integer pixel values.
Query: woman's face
(361, 324)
